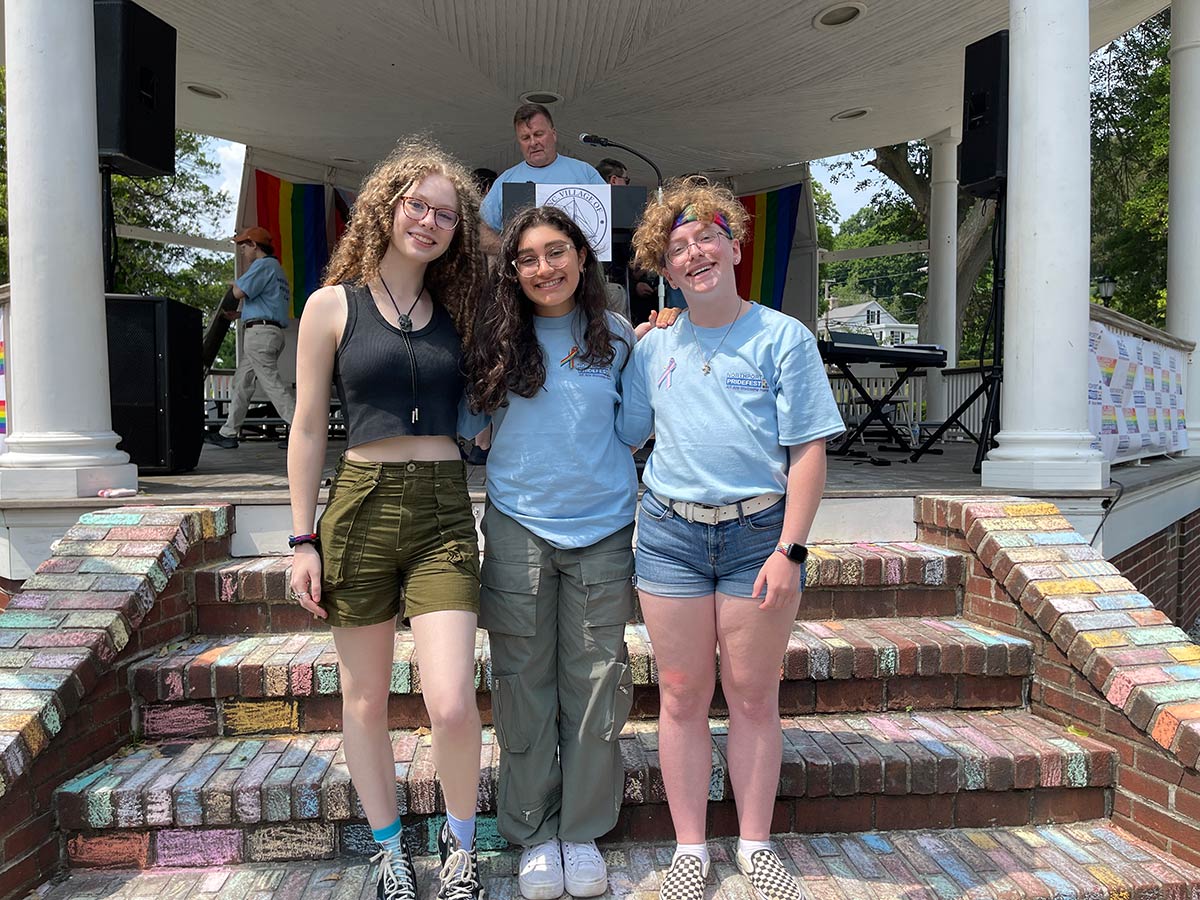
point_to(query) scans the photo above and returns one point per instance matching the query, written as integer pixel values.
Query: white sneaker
(585, 872)
(541, 873)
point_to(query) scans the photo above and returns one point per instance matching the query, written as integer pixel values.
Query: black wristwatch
(797, 553)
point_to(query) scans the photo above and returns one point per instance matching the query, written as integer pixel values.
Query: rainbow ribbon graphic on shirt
(664, 380)
(569, 359)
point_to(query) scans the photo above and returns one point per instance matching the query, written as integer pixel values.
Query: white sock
(749, 848)
(700, 850)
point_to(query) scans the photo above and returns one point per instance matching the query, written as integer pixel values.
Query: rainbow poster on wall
(762, 273)
(1134, 409)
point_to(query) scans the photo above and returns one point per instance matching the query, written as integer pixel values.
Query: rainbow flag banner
(295, 216)
(762, 272)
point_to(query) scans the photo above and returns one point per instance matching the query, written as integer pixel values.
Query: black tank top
(391, 383)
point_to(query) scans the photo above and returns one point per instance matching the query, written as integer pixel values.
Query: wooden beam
(829, 256)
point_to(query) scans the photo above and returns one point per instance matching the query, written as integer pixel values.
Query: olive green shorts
(397, 539)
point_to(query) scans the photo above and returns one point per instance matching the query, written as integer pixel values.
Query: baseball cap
(255, 233)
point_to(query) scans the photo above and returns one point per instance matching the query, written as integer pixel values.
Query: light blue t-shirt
(556, 465)
(564, 170)
(723, 437)
(266, 288)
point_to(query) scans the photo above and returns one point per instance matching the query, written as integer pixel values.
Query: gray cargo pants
(561, 685)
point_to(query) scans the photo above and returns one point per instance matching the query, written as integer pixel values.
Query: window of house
(872, 317)
(897, 338)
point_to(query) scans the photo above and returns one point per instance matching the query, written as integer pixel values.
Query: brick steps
(249, 596)
(1088, 859)
(229, 685)
(261, 798)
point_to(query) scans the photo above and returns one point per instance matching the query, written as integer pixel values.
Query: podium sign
(604, 213)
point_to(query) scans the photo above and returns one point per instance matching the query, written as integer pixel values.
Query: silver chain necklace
(707, 368)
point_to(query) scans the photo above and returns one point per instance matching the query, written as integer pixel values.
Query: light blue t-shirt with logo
(268, 295)
(723, 437)
(556, 465)
(564, 170)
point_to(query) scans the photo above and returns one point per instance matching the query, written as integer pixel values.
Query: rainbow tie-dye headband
(689, 215)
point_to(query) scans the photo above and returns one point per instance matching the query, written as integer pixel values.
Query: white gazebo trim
(941, 300)
(1045, 439)
(1183, 237)
(64, 445)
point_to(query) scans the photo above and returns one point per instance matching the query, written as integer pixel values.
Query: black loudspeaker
(135, 89)
(156, 381)
(983, 153)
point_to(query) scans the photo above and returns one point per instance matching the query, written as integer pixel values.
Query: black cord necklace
(403, 320)
(404, 323)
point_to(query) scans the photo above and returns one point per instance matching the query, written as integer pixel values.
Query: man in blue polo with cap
(265, 296)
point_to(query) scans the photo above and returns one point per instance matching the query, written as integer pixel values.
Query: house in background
(871, 317)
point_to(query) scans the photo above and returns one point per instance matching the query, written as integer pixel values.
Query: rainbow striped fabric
(763, 270)
(295, 215)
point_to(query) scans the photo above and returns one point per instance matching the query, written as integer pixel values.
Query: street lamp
(1106, 286)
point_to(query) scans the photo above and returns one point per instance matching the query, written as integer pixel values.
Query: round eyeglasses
(707, 243)
(417, 209)
(527, 264)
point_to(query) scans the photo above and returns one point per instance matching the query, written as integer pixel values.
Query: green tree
(184, 203)
(827, 214)
(1131, 99)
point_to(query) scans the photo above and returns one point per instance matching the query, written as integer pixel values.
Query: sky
(845, 197)
(229, 179)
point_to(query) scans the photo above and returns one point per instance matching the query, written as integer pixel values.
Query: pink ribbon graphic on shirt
(666, 375)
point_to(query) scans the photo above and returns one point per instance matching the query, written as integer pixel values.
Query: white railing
(219, 385)
(877, 381)
(960, 383)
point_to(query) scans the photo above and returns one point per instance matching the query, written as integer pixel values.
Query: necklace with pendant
(707, 360)
(403, 320)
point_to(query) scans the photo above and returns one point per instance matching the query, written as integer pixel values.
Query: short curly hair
(658, 221)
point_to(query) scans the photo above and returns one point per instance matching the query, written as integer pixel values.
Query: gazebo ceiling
(696, 84)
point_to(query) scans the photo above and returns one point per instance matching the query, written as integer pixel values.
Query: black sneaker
(459, 877)
(397, 877)
(219, 440)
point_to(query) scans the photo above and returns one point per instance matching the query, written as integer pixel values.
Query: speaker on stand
(135, 104)
(983, 172)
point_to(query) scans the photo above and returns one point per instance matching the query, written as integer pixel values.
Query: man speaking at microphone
(542, 164)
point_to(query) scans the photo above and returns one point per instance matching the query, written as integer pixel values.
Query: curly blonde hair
(455, 278)
(658, 221)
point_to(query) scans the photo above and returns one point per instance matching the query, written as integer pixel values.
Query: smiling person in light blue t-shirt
(547, 362)
(541, 164)
(740, 406)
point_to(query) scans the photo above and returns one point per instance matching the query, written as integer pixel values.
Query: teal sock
(463, 830)
(391, 837)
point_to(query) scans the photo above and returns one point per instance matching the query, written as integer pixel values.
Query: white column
(1183, 237)
(1044, 441)
(941, 298)
(63, 444)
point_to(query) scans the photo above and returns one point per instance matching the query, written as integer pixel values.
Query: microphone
(594, 139)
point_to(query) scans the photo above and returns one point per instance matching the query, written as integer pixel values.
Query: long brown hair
(505, 355)
(456, 277)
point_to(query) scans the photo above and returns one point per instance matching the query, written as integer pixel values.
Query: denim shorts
(678, 558)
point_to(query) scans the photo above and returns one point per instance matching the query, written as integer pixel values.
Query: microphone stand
(605, 142)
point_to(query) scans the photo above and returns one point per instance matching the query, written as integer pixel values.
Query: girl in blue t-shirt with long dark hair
(546, 362)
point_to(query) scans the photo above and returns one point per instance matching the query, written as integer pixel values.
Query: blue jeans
(678, 558)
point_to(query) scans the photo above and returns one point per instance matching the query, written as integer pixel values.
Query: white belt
(711, 515)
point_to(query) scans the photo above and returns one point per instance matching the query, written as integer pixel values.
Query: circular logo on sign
(587, 211)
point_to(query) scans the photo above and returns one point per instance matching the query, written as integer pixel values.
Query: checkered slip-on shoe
(685, 879)
(768, 876)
